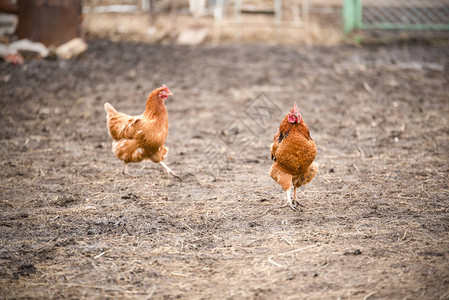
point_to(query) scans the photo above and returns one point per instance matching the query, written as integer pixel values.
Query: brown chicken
(136, 138)
(293, 152)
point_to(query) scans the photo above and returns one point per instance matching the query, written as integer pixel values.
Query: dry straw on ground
(375, 222)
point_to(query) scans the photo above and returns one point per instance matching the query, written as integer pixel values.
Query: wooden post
(305, 13)
(218, 17)
(237, 9)
(218, 10)
(152, 11)
(174, 21)
(278, 11)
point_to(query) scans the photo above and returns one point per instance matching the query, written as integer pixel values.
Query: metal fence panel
(396, 14)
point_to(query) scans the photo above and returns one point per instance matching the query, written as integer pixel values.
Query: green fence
(395, 15)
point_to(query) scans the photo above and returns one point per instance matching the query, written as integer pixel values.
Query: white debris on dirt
(24, 45)
(71, 49)
(193, 36)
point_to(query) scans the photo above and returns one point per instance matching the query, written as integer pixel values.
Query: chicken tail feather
(109, 109)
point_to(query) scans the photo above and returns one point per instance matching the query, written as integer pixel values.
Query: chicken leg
(299, 180)
(125, 169)
(285, 181)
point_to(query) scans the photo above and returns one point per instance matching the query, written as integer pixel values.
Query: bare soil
(375, 221)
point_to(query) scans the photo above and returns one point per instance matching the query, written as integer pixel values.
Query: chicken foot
(168, 170)
(296, 202)
(125, 171)
(289, 201)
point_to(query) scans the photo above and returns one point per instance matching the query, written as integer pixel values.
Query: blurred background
(194, 22)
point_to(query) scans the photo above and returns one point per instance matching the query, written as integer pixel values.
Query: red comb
(295, 108)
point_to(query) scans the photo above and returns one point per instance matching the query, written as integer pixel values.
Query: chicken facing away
(293, 152)
(136, 138)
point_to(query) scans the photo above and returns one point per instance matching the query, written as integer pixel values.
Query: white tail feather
(109, 108)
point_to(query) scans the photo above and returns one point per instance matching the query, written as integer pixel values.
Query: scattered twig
(188, 226)
(405, 233)
(297, 250)
(263, 214)
(287, 241)
(274, 263)
(369, 295)
(100, 255)
(95, 267)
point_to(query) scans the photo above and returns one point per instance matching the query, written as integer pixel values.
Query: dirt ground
(375, 222)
